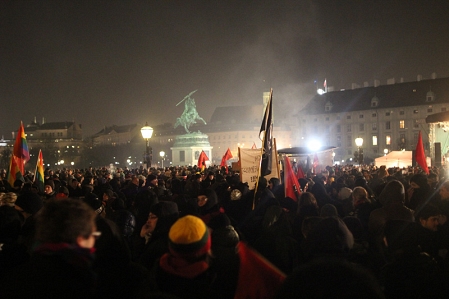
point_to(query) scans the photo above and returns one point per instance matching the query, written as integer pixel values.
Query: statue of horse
(190, 115)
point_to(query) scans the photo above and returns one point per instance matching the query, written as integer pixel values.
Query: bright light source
(320, 91)
(314, 145)
(359, 141)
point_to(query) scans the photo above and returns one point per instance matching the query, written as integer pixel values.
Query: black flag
(267, 140)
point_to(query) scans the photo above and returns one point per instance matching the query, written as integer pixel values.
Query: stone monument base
(187, 148)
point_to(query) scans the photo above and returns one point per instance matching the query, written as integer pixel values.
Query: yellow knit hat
(189, 236)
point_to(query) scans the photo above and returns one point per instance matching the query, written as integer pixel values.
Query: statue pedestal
(187, 148)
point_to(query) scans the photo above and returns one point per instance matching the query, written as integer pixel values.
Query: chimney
(401, 80)
(365, 84)
(43, 120)
(355, 85)
(390, 81)
(419, 78)
(376, 83)
(433, 76)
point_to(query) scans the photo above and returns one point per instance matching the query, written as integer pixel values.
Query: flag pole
(37, 163)
(258, 173)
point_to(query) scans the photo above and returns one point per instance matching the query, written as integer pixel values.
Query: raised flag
(254, 146)
(202, 160)
(226, 157)
(267, 138)
(39, 174)
(420, 155)
(13, 171)
(291, 185)
(325, 83)
(316, 163)
(300, 173)
(20, 150)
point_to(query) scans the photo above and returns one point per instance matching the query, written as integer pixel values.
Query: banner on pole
(250, 163)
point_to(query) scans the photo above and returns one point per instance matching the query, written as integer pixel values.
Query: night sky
(122, 62)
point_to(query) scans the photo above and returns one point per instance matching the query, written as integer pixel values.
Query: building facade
(387, 118)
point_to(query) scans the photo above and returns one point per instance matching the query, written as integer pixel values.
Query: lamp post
(359, 143)
(385, 151)
(162, 154)
(333, 158)
(147, 132)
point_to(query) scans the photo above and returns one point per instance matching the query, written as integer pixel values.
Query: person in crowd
(409, 273)
(419, 192)
(61, 263)
(187, 270)
(154, 234)
(392, 199)
(307, 207)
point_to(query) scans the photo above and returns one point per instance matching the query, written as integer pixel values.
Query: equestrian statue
(190, 115)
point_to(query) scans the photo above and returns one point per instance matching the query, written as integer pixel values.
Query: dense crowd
(181, 232)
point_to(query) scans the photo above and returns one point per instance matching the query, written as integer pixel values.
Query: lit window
(374, 140)
(401, 124)
(388, 140)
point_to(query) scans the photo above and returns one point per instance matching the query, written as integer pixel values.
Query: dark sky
(121, 62)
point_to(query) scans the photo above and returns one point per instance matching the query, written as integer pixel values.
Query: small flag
(202, 160)
(39, 175)
(267, 140)
(226, 157)
(420, 155)
(291, 185)
(300, 173)
(325, 83)
(13, 171)
(20, 150)
(254, 146)
(316, 162)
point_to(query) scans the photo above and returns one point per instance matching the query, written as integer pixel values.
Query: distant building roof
(49, 126)
(116, 129)
(423, 92)
(237, 115)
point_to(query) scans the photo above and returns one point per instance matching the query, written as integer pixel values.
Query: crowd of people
(180, 232)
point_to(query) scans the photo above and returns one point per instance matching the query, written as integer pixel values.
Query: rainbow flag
(39, 174)
(20, 150)
(13, 172)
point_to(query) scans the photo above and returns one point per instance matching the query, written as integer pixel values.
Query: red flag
(20, 150)
(325, 84)
(226, 157)
(202, 160)
(300, 173)
(420, 155)
(291, 184)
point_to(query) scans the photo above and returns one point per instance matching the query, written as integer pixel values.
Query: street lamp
(162, 154)
(359, 143)
(333, 158)
(147, 132)
(385, 151)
